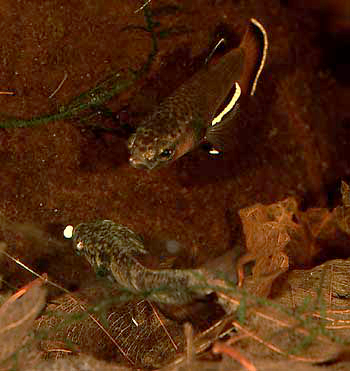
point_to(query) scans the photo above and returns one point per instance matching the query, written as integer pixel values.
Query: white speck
(135, 322)
(68, 233)
(41, 204)
(213, 151)
(80, 246)
(55, 210)
(172, 246)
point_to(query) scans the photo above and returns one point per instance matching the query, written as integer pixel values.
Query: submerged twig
(7, 93)
(188, 329)
(143, 6)
(59, 86)
(223, 348)
(162, 324)
(274, 348)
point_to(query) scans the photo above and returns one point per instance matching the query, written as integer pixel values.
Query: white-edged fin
(254, 45)
(219, 133)
(230, 106)
(264, 53)
(210, 56)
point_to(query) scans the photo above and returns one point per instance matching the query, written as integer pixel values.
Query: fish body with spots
(114, 249)
(203, 108)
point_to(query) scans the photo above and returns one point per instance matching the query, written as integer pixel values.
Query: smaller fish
(203, 108)
(114, 249)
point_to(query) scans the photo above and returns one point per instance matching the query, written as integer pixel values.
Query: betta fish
(204, 107)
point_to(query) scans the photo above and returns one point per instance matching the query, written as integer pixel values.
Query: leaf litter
(17, 316)
(280, 311)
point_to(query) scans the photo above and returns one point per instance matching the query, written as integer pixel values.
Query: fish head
(89, 241)
(150, 149)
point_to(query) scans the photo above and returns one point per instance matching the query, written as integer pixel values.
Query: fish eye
(166, 153)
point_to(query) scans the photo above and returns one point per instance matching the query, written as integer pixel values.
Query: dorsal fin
(255, 45)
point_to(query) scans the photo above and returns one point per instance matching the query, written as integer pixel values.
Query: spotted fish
(203, 108)
(114, 249)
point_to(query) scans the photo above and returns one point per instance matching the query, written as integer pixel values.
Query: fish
(204, 107)
(113, 249)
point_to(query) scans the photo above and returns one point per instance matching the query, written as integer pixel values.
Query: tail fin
(255, 45)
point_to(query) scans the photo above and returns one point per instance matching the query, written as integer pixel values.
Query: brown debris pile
(309, 309)
(280, 237)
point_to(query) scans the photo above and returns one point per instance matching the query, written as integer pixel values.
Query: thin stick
(59, 86)
(317, 315)
(163, 326)
(59, 350)
(189, 344)
(7, 93)
(143, 6)
(274, 348)
(223, 348)
(331, 287)
(108, 334)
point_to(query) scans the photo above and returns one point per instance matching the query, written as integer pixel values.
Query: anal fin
(219, 134)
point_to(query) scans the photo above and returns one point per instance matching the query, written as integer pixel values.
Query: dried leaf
(279, 236)
(273, 331)
(328, 287)
(345, 192)
(135, 334)
(17, 316)
(342, 218)
(82, 362)
(329, 226)
(267, 232)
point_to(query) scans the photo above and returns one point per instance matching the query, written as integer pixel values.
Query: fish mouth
(141, 163)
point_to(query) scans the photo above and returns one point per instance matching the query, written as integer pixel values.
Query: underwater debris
(280, 236)
(266, 233)
(17, 315)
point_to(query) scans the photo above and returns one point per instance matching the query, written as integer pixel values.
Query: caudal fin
(255, 45)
